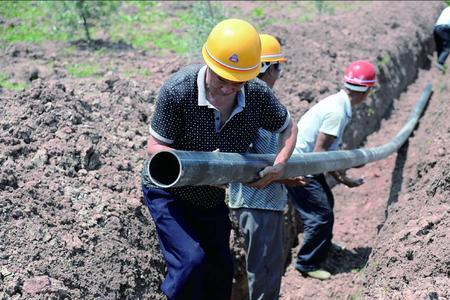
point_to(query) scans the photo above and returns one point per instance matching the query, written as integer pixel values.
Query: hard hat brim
(274, 59)
(228, 73)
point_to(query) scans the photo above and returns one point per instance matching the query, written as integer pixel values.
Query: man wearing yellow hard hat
(260, 211)
(205, 108)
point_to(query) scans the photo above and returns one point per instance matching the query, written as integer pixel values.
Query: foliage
(258, 12)
(370, 112)
(323, 7)
(204, 15)
(385, 60)
(156, 26)
(37, 21)
(72, 16)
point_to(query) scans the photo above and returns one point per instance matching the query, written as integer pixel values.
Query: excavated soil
(73, 223)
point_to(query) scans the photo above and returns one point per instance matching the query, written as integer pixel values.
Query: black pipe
(180, 168)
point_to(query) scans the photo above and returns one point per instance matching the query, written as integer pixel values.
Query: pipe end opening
(164, 169)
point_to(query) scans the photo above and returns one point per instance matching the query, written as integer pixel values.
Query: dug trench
(74, 225)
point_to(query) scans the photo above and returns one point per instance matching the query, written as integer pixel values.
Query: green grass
(385, 60)
(370, 112)
(145, 27)
(6, 84)
(28, 22)
(143, 72)
(258, 12)
(83, 70)
(442, 87)
(181, 27)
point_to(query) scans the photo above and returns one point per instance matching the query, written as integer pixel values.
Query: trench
(394, 78)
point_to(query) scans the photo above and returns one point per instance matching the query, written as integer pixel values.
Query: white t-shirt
(329, 116)
(444, 18)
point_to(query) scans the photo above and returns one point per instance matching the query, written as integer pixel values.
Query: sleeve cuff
(286, 123)
(159, 137)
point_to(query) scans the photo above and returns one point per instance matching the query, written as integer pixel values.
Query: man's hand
(296, 181)
(268, 175)
(342, 178)
(350, 182)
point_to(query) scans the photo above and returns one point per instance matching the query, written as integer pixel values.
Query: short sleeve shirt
(444, 17)
(273, 196)
(186, 120)
(329, 116)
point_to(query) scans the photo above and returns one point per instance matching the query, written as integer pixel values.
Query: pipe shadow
(396, 180)
(397, 174)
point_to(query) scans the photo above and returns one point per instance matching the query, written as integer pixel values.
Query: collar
(348, 105)
(203, 100)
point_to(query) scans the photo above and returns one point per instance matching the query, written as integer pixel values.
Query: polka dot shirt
(273, 196)
(185, 120)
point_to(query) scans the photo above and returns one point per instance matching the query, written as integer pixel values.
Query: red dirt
(73, 222)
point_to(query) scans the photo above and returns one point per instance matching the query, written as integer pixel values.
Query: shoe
(441, 68)
(318, 274)
(337, 247)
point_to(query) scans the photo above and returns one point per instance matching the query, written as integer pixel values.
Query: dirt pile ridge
(73, 225)
(73, 222)
(411, 257)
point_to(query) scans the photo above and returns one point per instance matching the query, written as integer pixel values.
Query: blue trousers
(314, 203)
(195, 245)
(442, 38)
(263, 234)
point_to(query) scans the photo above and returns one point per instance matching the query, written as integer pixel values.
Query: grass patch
(143, 72)
(384, 61)
(10, 85)
(84, 70)
(28, 21)
(258, 12)
(181, 27)
(370, 112)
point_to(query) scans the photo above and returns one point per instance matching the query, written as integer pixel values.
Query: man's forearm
(286, 144)
(155, 146)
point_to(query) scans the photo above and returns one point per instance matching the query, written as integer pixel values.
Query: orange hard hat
(233, 50)
(359, 76)
(270, 49)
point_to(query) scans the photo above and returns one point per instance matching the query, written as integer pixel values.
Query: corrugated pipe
(180, 168)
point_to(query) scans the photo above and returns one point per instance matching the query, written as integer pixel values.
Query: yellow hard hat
(270, 49)
(233, 50)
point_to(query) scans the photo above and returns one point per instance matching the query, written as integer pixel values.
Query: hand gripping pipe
(180, 168)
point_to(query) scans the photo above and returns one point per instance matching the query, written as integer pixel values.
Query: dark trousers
(195, 245)
(442, 38)
(314, 203)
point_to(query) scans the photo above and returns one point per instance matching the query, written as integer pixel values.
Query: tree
(72, 16)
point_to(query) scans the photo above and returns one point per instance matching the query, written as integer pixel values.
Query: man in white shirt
(321, 129)
(442, 38)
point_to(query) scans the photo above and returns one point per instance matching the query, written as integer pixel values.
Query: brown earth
(73, 222)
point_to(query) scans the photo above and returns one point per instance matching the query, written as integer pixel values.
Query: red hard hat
(360, 75)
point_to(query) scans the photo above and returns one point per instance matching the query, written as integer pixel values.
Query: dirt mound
(73, 225)
(411, 259)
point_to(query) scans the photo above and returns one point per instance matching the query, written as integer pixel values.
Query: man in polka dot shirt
(205, 108)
